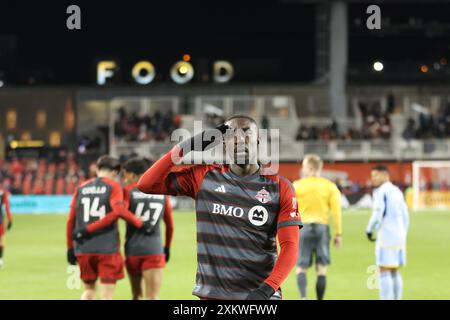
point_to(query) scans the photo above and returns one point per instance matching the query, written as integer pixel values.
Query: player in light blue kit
(390, 221)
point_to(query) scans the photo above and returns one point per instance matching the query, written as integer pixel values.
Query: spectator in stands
(385, 128)
(302, 133)
(410, 130)
(265, 123)
(132, 127)
(39, 176)
(176, 121)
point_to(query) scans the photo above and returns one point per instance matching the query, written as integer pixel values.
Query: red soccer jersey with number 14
(92, 201)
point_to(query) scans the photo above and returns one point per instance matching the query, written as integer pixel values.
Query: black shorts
(314, 241)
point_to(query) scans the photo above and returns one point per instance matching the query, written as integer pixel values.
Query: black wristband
(268, 290)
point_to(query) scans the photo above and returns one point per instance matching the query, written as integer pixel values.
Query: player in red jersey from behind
(145, 255)
(4, 202)
(98, 254)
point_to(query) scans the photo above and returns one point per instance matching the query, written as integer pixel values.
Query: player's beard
(245, 156)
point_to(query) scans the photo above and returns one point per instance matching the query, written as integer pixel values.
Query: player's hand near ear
(207, 139)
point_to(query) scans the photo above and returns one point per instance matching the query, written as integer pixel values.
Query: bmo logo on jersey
(257, 215)
(227, 210)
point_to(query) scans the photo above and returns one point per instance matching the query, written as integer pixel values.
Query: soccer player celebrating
(390, 221)
(318, 197)
(145, 255)
(240, 209)
(98, 255)
(4, 202)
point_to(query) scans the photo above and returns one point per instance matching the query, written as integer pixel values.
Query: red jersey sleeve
(7, 206)
(71, 220)
(119, 210)
(288, 235)
(288, 238)
(288, 214)
(116, 197)
(154, 180)
(168, 221)
(126, 214)
(163, 177)
(187, 181)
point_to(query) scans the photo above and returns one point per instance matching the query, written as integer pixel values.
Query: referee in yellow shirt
(316, 198)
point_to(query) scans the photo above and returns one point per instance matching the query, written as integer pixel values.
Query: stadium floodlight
(430, 185)
(378, 66)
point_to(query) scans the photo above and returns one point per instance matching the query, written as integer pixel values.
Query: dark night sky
(266, 40)
(135, 30)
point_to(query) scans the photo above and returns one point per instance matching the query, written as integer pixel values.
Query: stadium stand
(40, 176)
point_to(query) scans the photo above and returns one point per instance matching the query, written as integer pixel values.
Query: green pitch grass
(36, 268)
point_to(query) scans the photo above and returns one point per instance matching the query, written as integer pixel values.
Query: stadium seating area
(375, 124)
(429, 125)
(40, 176)
(131, 127)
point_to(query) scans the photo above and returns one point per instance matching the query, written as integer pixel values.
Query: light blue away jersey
(389, 217)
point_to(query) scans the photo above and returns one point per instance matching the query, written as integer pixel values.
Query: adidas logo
(220, 189)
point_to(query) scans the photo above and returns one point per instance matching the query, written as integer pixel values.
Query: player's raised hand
(207, 139)
(9, 225)
(264, 292)
(71, 258)
(79, 235)
(338, 241)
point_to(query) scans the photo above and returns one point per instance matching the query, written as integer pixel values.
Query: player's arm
(168, 222)
(379, 207)
(336, 212)
(288, 238)
(159, 178)
(155, 180)
(405, 214)
(119, 210)
(126, 214)
(7, 209)
(69, 229)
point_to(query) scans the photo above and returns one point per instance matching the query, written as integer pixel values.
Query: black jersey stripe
(201, 282)
(248, 185)
(288, 223)
(228, 262)
(204, 224)
(229, 273)
(233, 243)
(255, 180)
(237, 284)
(256, 256)
(235, 200)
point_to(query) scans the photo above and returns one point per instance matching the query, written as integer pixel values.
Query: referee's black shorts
(314, 244)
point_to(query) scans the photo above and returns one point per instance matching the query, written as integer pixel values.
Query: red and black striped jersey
(237, 222)
(92, 201)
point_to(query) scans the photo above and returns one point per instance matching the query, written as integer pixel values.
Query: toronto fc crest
(263, 196)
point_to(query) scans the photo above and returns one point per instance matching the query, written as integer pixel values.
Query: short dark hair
(136, 165)
(380, 167)
(242, 116)
(109, 163)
